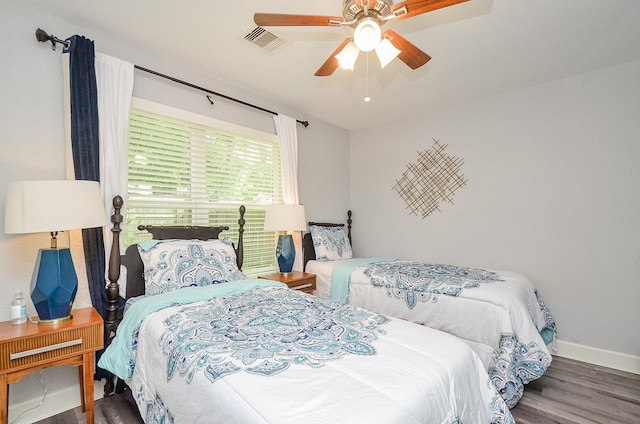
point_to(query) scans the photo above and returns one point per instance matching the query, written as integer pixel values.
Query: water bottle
(18, 308)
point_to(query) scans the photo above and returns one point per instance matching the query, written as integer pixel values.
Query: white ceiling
(479, 48)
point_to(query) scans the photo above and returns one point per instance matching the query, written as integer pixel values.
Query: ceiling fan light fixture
(386, 52)
(347, 57)
(367, 35)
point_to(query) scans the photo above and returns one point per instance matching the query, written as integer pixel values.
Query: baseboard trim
(593, 355)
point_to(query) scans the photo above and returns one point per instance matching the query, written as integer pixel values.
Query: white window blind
(186, 169)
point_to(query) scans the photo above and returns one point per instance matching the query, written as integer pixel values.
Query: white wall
(553, 193)
(31, 146)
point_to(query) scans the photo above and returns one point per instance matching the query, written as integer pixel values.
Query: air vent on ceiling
(265, 40)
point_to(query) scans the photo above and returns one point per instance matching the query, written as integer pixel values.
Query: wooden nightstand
(29, 347)
(296, 280)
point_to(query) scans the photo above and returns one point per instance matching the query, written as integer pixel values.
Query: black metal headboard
(309, 252)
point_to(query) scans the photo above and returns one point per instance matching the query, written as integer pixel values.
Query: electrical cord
(44, 388)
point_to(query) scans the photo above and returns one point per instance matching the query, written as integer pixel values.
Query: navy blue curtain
(86, 158)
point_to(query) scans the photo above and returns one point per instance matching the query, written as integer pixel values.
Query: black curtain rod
(206, 90)
(42, 36)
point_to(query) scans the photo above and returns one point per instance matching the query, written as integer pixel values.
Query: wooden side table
(29, 347)
(296, 280)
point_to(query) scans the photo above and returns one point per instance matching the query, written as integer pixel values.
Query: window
(187, 169)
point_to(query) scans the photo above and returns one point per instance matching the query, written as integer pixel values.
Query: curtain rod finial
(42, 36)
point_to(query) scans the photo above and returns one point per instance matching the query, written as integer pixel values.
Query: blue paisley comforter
(253, 351)
(499, 314)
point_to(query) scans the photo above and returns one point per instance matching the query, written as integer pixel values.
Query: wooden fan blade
(331, 64)
(418, 7)
(409, 54)
(278, 19)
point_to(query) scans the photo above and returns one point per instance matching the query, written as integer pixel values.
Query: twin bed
(206, 344)
(499, 314)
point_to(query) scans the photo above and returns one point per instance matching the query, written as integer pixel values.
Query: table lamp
(285, 218)
(52, 206)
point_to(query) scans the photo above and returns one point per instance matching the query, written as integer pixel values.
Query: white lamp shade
(367, 35)
(285, 218)
(386, 52)
(347, 56)
(58, 205)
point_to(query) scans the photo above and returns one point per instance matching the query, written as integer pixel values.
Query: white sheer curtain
(288, 138)
(114, 79)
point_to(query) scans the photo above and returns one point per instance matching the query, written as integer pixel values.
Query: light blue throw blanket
(117, 357)
(341, 276)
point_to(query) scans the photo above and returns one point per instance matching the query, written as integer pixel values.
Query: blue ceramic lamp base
(285, 253)
(54, 286)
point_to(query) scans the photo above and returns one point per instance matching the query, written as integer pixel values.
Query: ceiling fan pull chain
(367, 99)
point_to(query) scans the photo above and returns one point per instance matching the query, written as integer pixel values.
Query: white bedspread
(236, 372)
(501, 320)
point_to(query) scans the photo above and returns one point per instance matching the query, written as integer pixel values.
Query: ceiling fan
(366, 16)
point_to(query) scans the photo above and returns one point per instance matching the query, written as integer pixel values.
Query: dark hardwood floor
(575, 392)
(571, 392)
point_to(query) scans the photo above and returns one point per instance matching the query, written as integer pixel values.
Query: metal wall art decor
(431, 180)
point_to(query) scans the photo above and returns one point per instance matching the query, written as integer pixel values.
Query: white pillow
(174, 264)
(330, 243)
